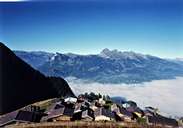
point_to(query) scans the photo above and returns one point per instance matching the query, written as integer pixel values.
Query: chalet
(114, 107)
(29, 116)
(129, 104)
(20, 116)
(88, 115)
(86, 104)
(102, 114)
(79, 108)
(181, 121)
(121, 114)
(59, 112)
(139, 112)
(161, 120)
(101, 101)
(134, 110)
(152, 110)
(78, 111)
(52, 114)
(148, 113)
(93, 107)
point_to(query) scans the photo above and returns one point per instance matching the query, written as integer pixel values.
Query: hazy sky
(88, 26)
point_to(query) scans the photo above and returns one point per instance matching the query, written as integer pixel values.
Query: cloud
(167, 95)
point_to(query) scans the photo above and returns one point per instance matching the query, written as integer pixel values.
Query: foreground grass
(82, 124)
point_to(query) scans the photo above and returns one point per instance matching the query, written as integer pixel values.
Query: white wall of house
(99, 118)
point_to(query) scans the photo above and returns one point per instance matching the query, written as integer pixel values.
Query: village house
(78, 111)
(59, 111)
(88, 115)
(25, 115)
(121, 114)
(102, 114)
(53, 113)
(72, 109)
(60, 114)
(138, 112)
(29, 116)
(181, 121)
(159, 120)
(151, 110)
(93, 107)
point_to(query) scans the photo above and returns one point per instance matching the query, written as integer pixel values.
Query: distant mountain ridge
(21, 85)
(110, 66)
(35, 58)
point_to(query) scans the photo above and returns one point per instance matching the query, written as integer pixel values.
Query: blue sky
(86, 27)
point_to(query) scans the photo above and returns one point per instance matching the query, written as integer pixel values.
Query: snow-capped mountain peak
(115, 54)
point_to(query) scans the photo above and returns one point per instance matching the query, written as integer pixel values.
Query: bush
(141, 120)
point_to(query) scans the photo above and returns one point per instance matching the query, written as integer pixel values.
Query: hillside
(22, 85)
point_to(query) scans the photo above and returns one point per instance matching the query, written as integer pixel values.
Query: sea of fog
(167, 95)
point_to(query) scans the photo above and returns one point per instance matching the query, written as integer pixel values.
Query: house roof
(78, 107)
(54, 113)
(29, 116)
(5, 119)
(158, 119)
(70, 99)
(125, 112)
(130, 109)
(148, 113)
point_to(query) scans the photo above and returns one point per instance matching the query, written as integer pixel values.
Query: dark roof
(148, 113)
(131, 109)
(150, 108)
(78, 107)
(132, 103)
(125, 112)
(53, 112)
(29, 116)
(5, 119)
(158, 119)
(54, 106)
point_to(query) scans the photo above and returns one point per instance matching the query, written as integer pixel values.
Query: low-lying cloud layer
(167, 95)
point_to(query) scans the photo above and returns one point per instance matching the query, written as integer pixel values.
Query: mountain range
(110, 66)
(21, 85)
